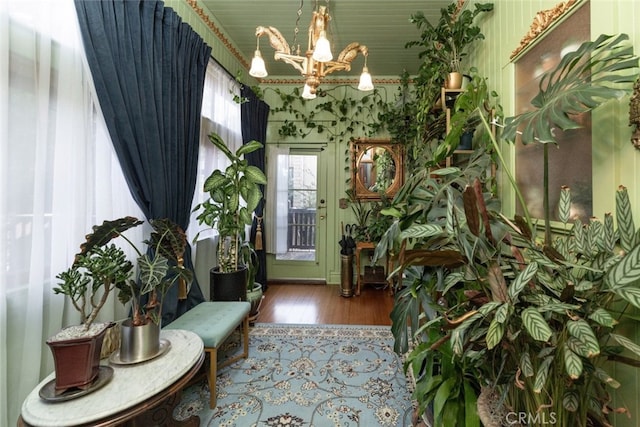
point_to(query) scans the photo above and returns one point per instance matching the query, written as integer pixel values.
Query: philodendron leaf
(627, 343)
(543, 373)
(535, 324)
(581, 330)
(572, 363)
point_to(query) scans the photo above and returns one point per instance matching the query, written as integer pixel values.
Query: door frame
(308, 271)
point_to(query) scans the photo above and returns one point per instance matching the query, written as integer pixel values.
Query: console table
(369, 246)
(131, 396)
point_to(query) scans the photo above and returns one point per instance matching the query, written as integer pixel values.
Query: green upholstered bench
(213, 322)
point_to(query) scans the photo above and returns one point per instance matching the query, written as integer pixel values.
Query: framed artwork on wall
(570, 162)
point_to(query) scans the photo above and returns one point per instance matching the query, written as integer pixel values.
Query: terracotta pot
(77, 360)
(138, 343)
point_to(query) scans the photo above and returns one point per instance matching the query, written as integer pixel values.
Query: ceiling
(382, 25)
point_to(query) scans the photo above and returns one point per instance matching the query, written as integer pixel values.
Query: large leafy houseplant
(532, 325)
(223, 209)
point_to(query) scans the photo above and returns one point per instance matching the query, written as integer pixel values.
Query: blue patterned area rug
(308, 375)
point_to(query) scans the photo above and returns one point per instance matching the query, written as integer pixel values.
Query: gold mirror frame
(364, 154)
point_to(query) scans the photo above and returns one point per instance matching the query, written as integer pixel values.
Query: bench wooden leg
(211, 377)
(213, 362)
(245, 328)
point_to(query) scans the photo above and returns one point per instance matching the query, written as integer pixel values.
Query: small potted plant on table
(99, 268)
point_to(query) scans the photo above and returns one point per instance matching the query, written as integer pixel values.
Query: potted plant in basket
(99, 268)
(447, 42)
(224, 211)
(504, 322)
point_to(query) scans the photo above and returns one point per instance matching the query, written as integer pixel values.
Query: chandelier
(317, 61)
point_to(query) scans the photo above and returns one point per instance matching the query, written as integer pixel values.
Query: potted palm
(98, 269)
(446, 43)
(224, 210)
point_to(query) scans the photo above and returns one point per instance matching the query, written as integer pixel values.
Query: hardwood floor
(323, 304)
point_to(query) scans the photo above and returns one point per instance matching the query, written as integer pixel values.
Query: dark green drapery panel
(148, 68)
(254, 115)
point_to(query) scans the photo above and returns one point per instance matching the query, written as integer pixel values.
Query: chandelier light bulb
(322, 51)
(366, 83)
(306, 92)
(258, 68)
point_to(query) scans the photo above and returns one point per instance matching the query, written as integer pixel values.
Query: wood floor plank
(323, 304)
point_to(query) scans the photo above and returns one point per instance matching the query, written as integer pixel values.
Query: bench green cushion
(212, 321)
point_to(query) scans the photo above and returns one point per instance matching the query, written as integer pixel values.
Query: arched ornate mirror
(376, 168)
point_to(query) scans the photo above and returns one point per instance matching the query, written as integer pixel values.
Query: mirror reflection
(376, 169)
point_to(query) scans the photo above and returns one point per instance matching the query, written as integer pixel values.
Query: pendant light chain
(296, 30)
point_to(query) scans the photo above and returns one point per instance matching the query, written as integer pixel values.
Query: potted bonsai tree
(224, 210)
(446, 43)
(98, 269)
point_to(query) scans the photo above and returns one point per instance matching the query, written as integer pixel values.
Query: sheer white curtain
(278, 173)
(58, 177)
(220, 114)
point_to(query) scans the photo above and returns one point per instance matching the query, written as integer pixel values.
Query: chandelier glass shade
(317, 62)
